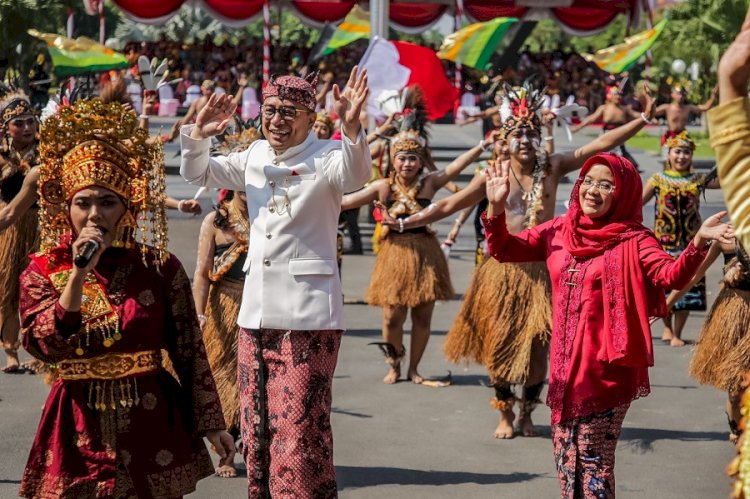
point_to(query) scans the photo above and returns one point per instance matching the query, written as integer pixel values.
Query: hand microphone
(85, 253)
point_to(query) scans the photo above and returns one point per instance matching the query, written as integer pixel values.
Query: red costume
(608, 275)
(116, 423)
(82, 450)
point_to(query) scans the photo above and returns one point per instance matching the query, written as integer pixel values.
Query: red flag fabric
(392, 66)
(427, 72)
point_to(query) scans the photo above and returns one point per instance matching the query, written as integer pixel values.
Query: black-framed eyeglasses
(286, 113)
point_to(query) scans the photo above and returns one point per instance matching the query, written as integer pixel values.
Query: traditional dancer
(608, 276)
(678, 111)
(723, 348)
(612, 114)
(115, 424)
(508, 338)
(677, 191)
(410, 270)
(291, 314)
(730, 137)
(18, 157)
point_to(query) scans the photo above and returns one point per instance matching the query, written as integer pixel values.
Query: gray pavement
(407, 441)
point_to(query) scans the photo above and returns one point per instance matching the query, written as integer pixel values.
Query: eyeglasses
(286, 113)
(603, 186)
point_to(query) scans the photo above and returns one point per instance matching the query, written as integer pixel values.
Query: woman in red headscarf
(608, 276)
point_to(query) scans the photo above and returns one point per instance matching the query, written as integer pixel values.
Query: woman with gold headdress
(101, 300)
(217, 288)
(677, 212)
(18, 157)
(410, 271)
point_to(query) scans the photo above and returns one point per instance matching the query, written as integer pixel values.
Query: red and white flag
(396, 65)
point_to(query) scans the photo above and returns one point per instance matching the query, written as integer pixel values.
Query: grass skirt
(722, 354)
(16, 243)
(410, 270)
(506, 307)
(220, 337)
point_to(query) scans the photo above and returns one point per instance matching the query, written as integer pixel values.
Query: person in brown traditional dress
(410, 270)
(102, 307)
(18, 157)
(217, 289)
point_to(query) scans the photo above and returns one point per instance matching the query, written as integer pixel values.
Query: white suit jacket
(294, 200)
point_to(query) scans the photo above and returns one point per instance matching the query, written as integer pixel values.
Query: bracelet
(143, 117)
(180, 204)
(482, 146)
(400, 225)
(458, 221)
(550, 138)
(202, 318)
(645, 119)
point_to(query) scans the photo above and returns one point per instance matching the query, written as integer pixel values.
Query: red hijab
(630, 296)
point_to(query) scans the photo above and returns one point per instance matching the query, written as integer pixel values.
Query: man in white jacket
(291, 314)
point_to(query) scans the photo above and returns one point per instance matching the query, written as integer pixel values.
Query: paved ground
(407, 441)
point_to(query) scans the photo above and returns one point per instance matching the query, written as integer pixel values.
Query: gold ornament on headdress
(325, 118)
(14, 104)
(682, 139)
(97, 144)
(407, 141)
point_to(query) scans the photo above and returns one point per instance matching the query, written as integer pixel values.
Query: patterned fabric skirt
(695, 299)
(410, 270)
(585, 454)
(722, 355)
(507, 306)
(285, 378)
(220, 338)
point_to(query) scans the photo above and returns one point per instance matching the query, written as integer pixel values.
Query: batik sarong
(585, 454)
(284, 380)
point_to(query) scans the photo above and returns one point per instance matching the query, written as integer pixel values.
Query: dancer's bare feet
(667, 335)
(414, 377)
(226, 471)
(504, 428)
(677, 342)
(394, 373)
(34, 366)
(11, 362)
(526, 426)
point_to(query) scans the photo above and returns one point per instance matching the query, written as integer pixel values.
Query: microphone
(85, 253)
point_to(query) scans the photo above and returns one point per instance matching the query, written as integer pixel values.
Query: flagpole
(266, 42)
(69, 23)
(649, 25)
(456, 27)
(101, 22)
(379, 10)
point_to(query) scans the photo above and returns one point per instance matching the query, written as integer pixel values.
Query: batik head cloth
(293, 88)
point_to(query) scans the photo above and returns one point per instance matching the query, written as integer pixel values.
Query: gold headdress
(236, 142)
(682, 139)
(325, 118)
(98, 144)
(13, 104)
(408, 141)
